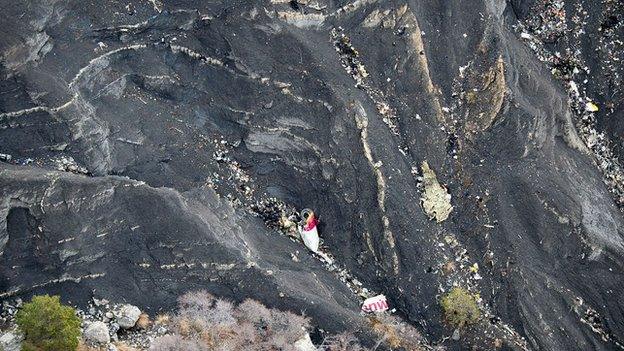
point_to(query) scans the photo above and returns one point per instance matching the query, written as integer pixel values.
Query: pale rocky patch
(436, 200)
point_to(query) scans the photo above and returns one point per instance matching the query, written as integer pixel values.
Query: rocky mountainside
(154, 147)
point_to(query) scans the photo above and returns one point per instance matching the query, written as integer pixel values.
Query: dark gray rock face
(140, 136)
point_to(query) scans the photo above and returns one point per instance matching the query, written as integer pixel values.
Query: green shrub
(471, 97)
(48, 326)
(460, 307)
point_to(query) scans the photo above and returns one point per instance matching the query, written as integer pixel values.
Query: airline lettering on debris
(375, 304)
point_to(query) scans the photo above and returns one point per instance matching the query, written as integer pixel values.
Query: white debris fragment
(574, 88)
(591, 107)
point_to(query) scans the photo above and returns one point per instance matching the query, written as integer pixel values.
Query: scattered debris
(350, 56)
(590, 317)
(548, 25)
(283, 218)
(68, 164)
(5, 157)
(276, 214)
(302, 20)
(350, 59)
(591, 107)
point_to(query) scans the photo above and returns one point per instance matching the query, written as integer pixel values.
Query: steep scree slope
(136, 136)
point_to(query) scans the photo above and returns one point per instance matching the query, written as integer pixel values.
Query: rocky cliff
(150, 148)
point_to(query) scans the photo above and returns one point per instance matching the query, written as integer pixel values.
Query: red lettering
(379, 304)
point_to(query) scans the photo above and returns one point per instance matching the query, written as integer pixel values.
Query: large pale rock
(11, 341)
(436, 200)
(128, 316)
(305, 344)
(97, 332)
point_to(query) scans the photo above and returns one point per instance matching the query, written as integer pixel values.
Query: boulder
(305, 343)
(11, 341)
(128, 316)
(97, 332)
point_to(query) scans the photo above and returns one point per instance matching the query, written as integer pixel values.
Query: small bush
(460, 307)
(162, 318)
(48, 326)
(143, 322)
(175, 343)
(253, 311)
(208, 323)
(396, 333)
(83, 346)
(471, 97)
(341, 342)
(123, 347)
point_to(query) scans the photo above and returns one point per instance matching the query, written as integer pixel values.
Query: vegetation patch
(204, 322)
(48, 325)
(395, 333)
(460, 307)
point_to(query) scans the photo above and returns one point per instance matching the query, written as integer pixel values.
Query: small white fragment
(591, 107)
